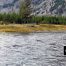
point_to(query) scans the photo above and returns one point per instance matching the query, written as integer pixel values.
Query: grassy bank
(31, 28)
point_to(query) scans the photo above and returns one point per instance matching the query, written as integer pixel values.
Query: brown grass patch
(31, 28)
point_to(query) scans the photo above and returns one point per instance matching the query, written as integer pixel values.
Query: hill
(40, 7)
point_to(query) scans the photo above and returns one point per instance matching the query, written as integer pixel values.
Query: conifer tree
(25, 9)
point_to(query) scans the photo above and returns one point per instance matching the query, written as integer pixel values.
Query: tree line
(17, 19)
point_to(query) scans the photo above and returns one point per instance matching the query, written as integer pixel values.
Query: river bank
(27, 28)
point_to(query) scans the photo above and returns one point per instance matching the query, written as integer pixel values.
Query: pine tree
(25, 9)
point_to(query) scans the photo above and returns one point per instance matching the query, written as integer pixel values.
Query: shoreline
(32, 28)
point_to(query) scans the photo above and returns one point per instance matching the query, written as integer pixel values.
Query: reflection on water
(36, 49)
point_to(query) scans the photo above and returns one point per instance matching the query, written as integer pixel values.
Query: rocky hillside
(40, 7)
(9, 6)
(48, 7)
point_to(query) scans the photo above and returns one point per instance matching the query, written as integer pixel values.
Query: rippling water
(34, 49)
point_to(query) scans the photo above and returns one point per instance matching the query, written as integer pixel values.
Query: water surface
(34, 49)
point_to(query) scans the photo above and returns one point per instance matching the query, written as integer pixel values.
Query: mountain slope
(9, 6)
(48, 7)
(40, 7)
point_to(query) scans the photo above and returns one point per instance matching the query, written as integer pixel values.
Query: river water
(34, 49)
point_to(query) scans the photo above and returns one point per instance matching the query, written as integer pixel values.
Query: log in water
(34, 49)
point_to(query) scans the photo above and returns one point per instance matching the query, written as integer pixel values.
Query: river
(33, 49)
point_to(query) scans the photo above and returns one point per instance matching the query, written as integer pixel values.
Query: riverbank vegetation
(17, 19)
(29, 28)
(15, 23)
